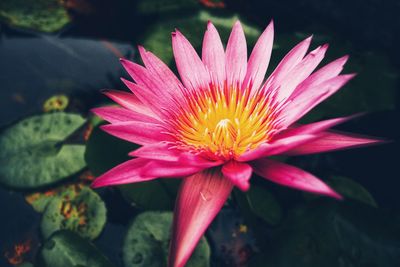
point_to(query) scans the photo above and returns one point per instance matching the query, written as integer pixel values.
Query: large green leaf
(33, 153)
(67, 249)
(146, 243)
(152, 7)
(76, 209)
(41, 15)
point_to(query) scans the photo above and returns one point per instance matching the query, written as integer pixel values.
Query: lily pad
(33, 153)
(67, 249)
(78, 210)
(147, 241)
(263, 203)
(41, 15)
(158, 37)
(351, 189)
(40, 200)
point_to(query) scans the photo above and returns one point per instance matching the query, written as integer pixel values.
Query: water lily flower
(221, 122)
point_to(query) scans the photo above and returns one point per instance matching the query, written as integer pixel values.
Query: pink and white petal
(291, 176)
(158, 168)
(141, 133)
(127, 172)
(165, 152)
(193, 73)
(238, 173)
(315, 127)
(277, 147)
(308, 99)
(158, 69)
(236, 56)
(333, 141)
(117, 115)
(213, 55)
(129, 101)
(325, 73)
(288, 63)
(301, 71)
(201, 197)
(259, 59)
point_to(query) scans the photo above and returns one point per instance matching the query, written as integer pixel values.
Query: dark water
(82, 59)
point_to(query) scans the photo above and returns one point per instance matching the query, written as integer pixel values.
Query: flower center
(225, 123)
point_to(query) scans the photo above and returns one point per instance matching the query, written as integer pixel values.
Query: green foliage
(263, 204)
(41, 15)
(33, 153)
(104, 151)
(78, 209)
(329, 234)
(153, 195)
(67, 249)
(146, 243)
(351, 189)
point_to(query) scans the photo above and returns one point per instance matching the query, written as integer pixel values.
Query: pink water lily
(221, 122)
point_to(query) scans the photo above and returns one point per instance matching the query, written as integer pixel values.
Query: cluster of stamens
(225, 122)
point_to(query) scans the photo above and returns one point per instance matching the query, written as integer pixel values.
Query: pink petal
(288, 63)
(200, 198)
(147, 97)
(325, 73)
(301, 71)
(137, 132)
(259, 59)
(169, 169)
(291, 176)
(149, 83)
(315, 127)
(165, 152)
(127, 172)
(116, 115)
(277, 147)
(307, 100)
(190, 67)
(213, 55)
(238, 173)
(129, 101)
(332, 141)
(160, 70)
(236, 56)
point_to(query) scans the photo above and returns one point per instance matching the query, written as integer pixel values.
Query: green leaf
(158, 37)
(351, 189)
(146, 243)
(264, 205)
(104, 151)
(78, 210)
(33, 153)
(153, 195)
(41, 15)
(67, 249)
